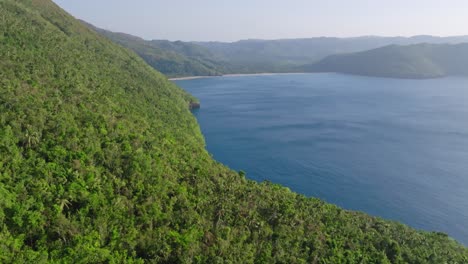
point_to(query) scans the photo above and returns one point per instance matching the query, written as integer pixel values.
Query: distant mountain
(413, 61)
(171, 58)
(285, 55)
(178, 58)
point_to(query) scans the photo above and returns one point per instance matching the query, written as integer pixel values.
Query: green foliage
(179, 58)
(174, 59)
(414, 61)
(101, 161)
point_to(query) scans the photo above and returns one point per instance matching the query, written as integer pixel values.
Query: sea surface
(392, 148)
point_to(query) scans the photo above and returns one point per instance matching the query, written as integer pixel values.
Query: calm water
(392, 148)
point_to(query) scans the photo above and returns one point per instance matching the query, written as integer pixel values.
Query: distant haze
(220, 20)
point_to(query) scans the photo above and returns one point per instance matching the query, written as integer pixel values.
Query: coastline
(235, 75)
(189, 78)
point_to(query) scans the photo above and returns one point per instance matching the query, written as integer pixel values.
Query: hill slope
(414, 61)
(102, 162)
(179, 58)
(174, 59)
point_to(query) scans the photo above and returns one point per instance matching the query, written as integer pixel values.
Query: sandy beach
(235, 75)
(189, 78)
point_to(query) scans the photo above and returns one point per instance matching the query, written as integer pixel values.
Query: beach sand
(234, 75)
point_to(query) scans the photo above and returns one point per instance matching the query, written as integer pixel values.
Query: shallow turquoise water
(391, 148)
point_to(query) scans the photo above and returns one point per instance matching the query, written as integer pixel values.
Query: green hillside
(174, 59)
(178, 58)
(101, 161)
(414, 61)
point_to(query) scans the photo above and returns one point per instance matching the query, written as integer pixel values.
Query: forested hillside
(101, 161)
(413, 61)
(178, 58)
(174, 59)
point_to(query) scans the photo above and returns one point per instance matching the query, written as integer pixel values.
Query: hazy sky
(230, 20)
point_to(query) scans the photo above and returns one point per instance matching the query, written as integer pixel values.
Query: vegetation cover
(173, 59)
(101, 161)
(178, 58)
(414, 61)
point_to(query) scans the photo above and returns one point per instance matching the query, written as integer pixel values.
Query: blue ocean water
(391, 148)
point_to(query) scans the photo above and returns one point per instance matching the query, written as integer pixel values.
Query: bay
(392, 148)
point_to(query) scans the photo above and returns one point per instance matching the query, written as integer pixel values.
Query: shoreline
(235, 75)
(190, 78)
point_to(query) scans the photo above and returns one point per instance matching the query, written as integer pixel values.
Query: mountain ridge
(182, 59)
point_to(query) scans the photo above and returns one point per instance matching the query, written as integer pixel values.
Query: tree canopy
(101, 161)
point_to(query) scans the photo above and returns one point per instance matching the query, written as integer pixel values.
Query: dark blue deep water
(391, 148)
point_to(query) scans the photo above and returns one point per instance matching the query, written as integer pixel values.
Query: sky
(231, 20)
